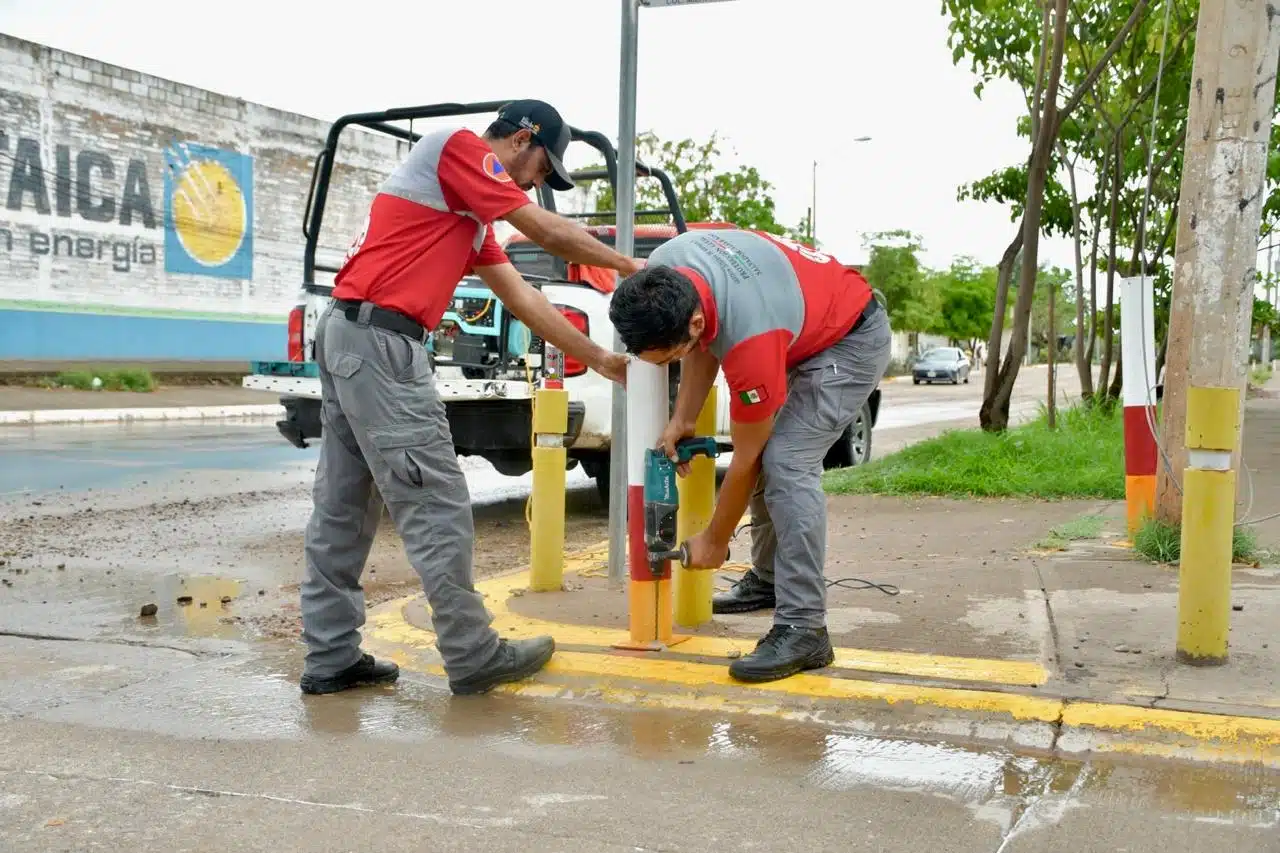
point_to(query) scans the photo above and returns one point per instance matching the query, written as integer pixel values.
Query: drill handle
(682, 555)
(688, 448)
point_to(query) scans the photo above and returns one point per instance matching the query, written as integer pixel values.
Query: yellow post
(546, 534)
(697, 503)
(1208, 517)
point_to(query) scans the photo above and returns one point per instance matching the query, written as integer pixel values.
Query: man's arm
(565, 239)
(749, 439)
(470, 186)
(698, 372)
(535, 311)
(756, 373)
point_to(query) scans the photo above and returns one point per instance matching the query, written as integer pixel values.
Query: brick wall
(88, 221)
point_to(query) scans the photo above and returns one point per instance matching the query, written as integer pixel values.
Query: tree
(894, 269)
(1024, 43)
(967, 293)
(1264, 317)
(1055, 280)
(706, 192)
(802, 233)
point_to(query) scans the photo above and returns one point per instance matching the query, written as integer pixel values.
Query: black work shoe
(749, 593)
(514, 660)
(362, 673)
(785, 651)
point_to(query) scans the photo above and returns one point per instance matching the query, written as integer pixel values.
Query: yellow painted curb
(640, 680)
(612, 677)
(499, 590)
(1221, 729)
(804, 685)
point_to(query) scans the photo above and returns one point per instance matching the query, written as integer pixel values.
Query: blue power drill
(662, 501)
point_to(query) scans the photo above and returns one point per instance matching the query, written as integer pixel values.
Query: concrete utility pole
(1229, 116)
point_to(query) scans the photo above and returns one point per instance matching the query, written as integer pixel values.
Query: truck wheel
(596, 466)
(854, 446)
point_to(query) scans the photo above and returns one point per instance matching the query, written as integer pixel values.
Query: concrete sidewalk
(992, 628)
(22, 405)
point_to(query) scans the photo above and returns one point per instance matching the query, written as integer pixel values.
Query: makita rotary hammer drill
(662, 500)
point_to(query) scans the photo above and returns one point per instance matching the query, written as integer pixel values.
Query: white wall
(91, 221)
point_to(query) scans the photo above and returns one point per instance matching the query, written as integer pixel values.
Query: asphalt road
(185, 731)
(41, 459)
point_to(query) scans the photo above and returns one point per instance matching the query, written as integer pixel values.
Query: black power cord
(846, 583)
(843, 583)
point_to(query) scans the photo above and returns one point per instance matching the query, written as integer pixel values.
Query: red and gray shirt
(430, 224)
(770, 303)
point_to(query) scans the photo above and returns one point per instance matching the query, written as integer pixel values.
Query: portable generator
(479, 335)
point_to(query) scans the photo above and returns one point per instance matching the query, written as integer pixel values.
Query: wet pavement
(183, 729)
(120, 747)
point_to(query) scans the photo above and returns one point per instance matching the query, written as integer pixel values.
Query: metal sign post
(625, 244)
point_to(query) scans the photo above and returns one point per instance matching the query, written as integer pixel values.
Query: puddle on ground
(254, 696)
(193, 605)
(1011, 789)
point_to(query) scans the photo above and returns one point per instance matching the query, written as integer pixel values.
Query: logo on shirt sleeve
(754, 396)
(494, 169)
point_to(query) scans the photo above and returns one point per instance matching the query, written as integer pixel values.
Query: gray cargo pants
(788, 506)
(386, 439)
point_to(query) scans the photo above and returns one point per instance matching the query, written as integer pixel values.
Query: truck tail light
(296, 349)
(573, 367)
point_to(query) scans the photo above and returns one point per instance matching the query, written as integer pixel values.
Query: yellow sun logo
(210, 211)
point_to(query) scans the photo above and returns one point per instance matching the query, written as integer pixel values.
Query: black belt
(384, 318)
(870, 311)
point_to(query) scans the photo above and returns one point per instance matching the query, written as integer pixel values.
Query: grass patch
(109, 380)
(1082, 458)
(1085, 527)
(81, 380)
(1260, 374)
(1161, 542)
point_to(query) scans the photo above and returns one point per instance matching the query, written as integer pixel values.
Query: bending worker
(802, 343)
(386, 437)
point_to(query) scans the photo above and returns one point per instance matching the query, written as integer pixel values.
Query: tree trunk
(1162, 354)
(1108, 324)
(1004, 271)
(995, 407)
(1117, 384)
(1082, 365)
(1103, 184)
(1052, 349)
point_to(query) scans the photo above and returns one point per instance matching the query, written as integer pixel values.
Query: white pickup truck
(488, 363)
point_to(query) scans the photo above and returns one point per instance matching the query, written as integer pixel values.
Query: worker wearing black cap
(548, 134)
(386, 438)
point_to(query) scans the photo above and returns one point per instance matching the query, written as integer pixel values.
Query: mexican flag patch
(755, 395)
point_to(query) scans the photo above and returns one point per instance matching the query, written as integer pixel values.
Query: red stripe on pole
(637, 554)
(1139, 442)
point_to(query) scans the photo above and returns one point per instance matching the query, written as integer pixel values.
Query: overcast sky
(784, 83)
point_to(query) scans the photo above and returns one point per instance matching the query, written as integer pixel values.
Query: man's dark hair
(651, 309)
(501, 129)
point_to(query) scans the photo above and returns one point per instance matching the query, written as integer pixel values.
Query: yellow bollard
(546, 534)
(1208, 516)
(697, 504)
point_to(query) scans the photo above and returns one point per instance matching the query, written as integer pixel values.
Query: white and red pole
(649, 598)
(1138, 359)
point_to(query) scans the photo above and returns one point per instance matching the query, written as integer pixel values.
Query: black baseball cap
(548, 130)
